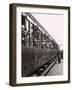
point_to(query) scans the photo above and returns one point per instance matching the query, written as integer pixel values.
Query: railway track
(43, 70)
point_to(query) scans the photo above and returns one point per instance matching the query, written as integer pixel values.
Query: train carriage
(38, 47)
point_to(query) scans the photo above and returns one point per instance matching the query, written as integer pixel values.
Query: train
(37, 45)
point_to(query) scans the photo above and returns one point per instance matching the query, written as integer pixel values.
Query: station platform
(57, 69)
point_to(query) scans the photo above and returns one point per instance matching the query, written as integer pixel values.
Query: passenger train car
(37, 45)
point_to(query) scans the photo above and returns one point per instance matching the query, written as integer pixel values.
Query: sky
(54, 24)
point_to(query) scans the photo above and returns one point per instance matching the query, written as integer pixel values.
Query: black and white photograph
(40, 44)
(42, 52)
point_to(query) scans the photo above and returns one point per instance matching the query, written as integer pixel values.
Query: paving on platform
(57, 69)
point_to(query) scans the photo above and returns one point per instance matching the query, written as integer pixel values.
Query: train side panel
(33, 58)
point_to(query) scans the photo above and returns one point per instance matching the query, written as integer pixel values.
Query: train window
(55, 46)
(43, 40)
(37, 37)
(47, 42)
(51, 45)
(23, 35)
(31, 35)
(27, 25)
(25, 31)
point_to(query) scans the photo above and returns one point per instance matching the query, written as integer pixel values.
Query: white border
(20, 79)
